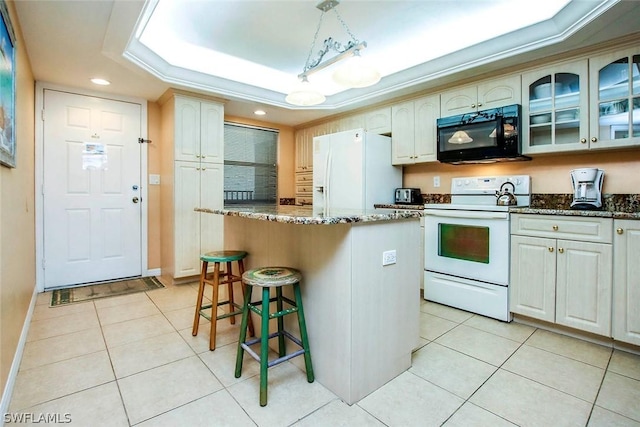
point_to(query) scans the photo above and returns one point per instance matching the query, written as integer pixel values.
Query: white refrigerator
(353, 170)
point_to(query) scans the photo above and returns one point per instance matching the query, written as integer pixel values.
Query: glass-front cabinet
(555, 108)
(615, 99)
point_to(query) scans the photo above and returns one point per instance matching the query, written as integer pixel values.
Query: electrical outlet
(389, 257)
(436, 181)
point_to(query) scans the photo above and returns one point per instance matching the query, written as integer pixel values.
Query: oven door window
(465, 242)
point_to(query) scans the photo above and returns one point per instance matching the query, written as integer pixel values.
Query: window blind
(250, 157)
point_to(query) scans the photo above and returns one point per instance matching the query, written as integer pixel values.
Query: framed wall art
(7, 89)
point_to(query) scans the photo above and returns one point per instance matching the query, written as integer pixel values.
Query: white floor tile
(409, 400)
(431, 327)
(527, 403)
(624, 363)
(470, 415)
(574, 348)
(620, 394)
(56, 349)
(601, 417)
(455, 372)
(217, 409)
(513, 331)
(339, 414)
(568, 375)
(446, 312)
(482, 345)
(159, 390)
(138, 356)
(134, 330)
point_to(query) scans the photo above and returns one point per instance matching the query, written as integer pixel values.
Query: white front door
(91, 185)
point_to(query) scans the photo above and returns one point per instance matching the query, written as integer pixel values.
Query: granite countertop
(398, 206)
(577, 212)
(307, 215)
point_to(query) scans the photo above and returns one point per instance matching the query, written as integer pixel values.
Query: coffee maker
(587, 188)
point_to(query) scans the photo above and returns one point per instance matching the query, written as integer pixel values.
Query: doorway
(92, 188)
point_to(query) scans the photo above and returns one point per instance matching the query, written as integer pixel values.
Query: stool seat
(223, 256)
(271, 276)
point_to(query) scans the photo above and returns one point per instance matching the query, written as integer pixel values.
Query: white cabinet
(561, 270)
(304, 188)
(193, 176)
(378, 121)
(413, 135)
(199, 131)
(626, 279)
(197, 185)
(304, 150)
(485, 95)
(555, 108)
(614, 93)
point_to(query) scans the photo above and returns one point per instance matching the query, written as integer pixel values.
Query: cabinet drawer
(304, 200)
(563, 227)
(304, 189)
(304, 178)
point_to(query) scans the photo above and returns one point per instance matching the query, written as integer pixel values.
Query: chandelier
(354, 73)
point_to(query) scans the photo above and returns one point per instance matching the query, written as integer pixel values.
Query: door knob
(135, 200)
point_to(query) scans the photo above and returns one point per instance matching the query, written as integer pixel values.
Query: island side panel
(323, 255)
(385, 301)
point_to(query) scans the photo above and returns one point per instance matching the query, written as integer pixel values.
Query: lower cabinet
(561, 270)
(304, 188)
(626, 279)
(195, 233)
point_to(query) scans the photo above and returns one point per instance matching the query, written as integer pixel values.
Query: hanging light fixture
(355, 72)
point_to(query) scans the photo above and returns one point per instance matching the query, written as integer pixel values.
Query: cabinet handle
(204, 169)
(473, 105)
(204, 157)
(197, 169)
(619, 230)
(550, 249)
(555, 228)
(197, 156)
(561, 250)
(583, 140)
(594, 139)
(479, 104)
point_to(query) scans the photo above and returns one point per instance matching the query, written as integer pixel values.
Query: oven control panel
(490, 184)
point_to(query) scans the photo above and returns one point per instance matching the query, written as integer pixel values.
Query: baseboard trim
(17, 357)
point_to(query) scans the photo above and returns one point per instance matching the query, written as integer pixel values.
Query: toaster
(408, 196)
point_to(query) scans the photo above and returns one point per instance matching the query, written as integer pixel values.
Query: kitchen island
(362, 317)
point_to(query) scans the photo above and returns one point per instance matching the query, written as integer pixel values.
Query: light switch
(154, 179)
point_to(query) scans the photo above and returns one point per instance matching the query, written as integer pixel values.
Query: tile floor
(131, 360)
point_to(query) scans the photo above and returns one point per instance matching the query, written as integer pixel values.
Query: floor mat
(102, 290)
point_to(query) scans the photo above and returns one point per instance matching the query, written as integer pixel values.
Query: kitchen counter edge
(305, 215)
(576, 212)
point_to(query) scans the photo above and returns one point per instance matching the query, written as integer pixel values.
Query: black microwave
(482, 137)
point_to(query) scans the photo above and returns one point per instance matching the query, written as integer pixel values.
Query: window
(250, 157)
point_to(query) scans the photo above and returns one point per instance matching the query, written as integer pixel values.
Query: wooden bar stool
(267, 278)
(219, 278)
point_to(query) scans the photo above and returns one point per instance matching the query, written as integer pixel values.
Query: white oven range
(467, 247)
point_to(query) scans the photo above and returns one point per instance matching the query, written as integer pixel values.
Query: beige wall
(549, 174)
(17, 219)
(153, 191)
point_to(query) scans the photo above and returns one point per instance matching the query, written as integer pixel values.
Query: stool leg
(232, 319)
(247, 297)
(264, 346)
(214, 306)
(281, 348)
(303, 333)
(196, 319)
(246, 315)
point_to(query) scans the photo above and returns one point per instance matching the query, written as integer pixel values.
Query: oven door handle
(466, 214)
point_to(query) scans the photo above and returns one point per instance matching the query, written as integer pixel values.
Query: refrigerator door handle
(327, 181)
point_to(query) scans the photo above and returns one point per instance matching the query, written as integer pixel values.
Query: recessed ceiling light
(101, 82)
(259, 112)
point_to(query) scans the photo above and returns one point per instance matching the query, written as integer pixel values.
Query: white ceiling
(69, 42)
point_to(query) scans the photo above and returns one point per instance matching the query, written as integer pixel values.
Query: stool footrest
(254, 306)
(246, 346)
(236, 312)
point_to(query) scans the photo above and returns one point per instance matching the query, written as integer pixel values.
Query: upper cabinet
(378, 121)
(588, 104)
(304, 150)
(413, 132)
(614, 118)
(555, 108)
(489, 94)
(199, 130)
